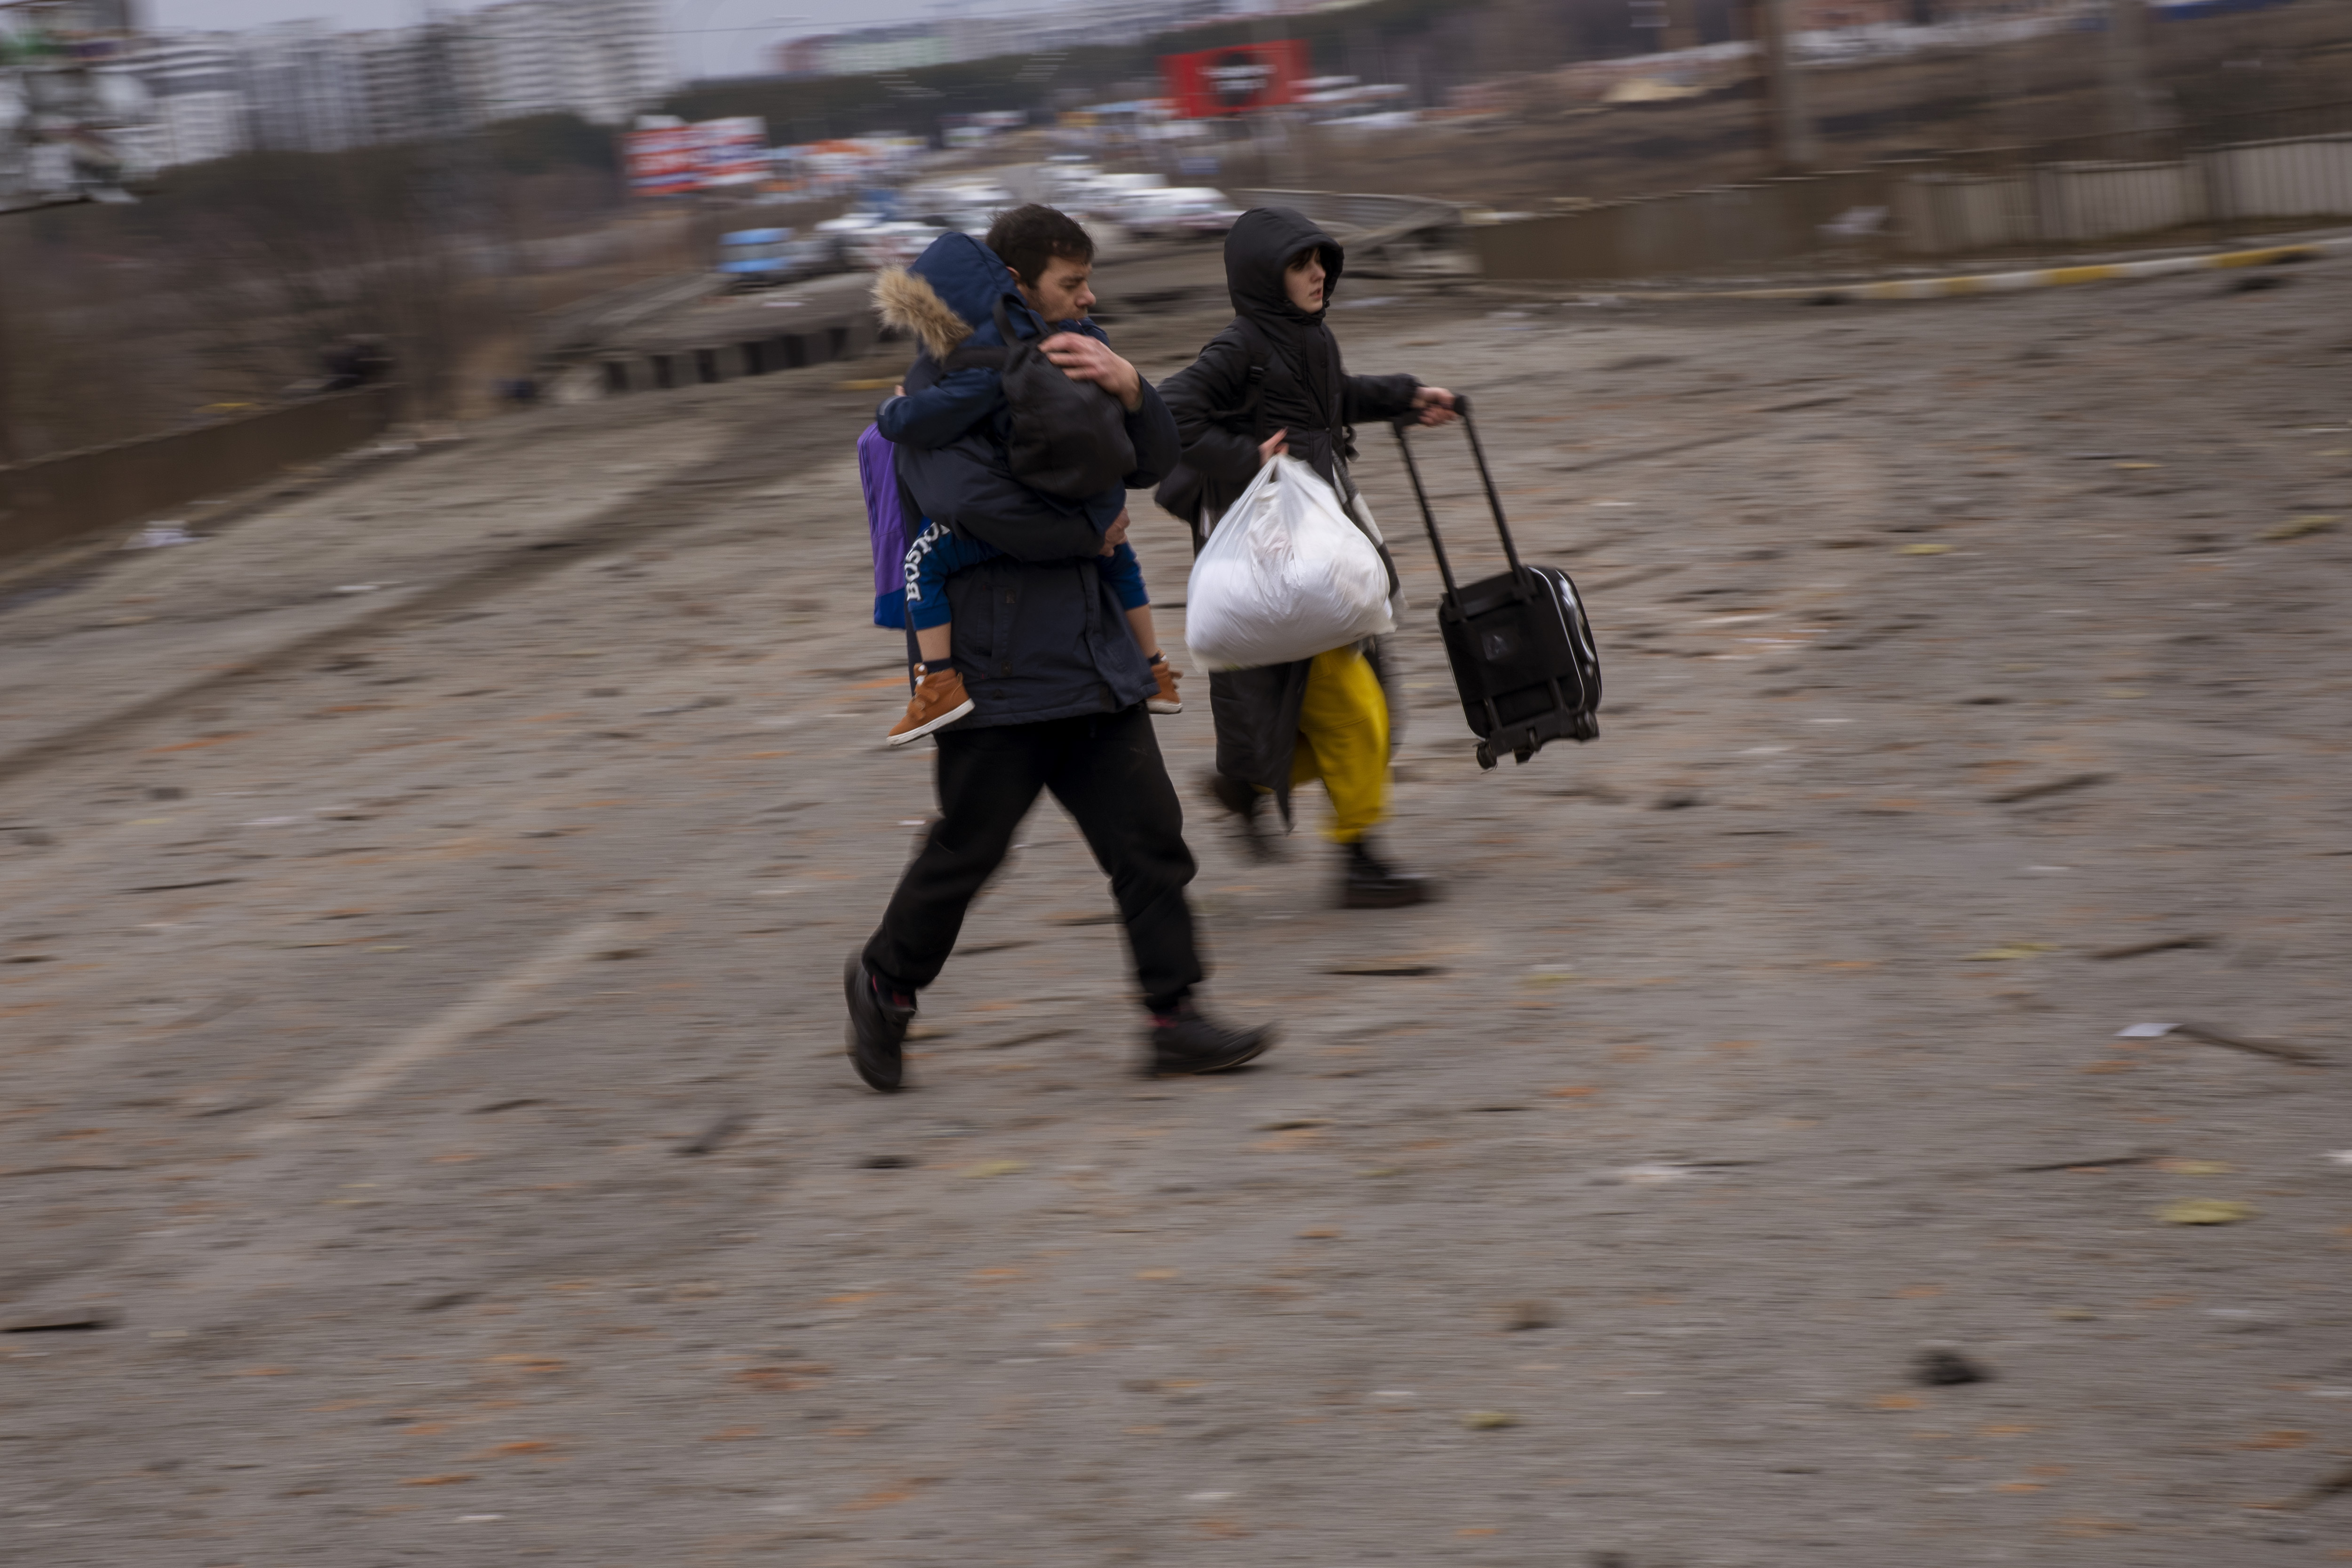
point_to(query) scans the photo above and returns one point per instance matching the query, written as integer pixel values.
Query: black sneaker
(1241, 799)
(877, 1025)
(1186, 1041)
(1373, 884)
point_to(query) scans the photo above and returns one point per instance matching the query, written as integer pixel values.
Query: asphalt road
(423, 1037)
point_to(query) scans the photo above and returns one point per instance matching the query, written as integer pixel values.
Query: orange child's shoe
(938, 700)
(1167, 699)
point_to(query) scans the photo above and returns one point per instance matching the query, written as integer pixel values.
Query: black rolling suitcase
(1521, 649)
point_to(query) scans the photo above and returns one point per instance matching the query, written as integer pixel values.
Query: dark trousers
(1107, 773)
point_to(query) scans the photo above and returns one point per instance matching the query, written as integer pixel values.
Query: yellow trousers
(1343, 739)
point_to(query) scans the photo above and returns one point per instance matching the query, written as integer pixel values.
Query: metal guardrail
(1361, 219)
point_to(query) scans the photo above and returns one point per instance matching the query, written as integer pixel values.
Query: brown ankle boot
(938, 700)
(1167, 699)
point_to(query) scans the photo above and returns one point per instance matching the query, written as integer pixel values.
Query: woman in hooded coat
(1272, 383)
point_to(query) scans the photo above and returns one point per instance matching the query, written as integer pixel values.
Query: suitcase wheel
(1485, 756)
(1523, 753)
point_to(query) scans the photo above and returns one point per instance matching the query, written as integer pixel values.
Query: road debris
(1655, 1173)
(2302, 527)
(56, 1320)
(2205, 1211)
(2320, 1492)
(1941, 1367)
(1522, 1317)
(2023, 792)
(2137, 1157)
(717, 1133)
(2010, 950)
(2206, 1033)
(2160, 944)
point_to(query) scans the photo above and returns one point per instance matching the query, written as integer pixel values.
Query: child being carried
(952, 406)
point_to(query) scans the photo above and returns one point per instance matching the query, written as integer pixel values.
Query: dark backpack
(1066, 438)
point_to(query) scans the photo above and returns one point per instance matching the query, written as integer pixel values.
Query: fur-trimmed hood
(948, 296)
(908, 304)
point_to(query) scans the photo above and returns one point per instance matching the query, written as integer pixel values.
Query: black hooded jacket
(1306, 390)
(1222, 417)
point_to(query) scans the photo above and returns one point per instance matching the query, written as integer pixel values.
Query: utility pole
(1680, 29)
(1787, 115)
(2130, 107)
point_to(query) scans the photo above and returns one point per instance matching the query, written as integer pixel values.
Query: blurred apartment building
(1824, 15)
(306, 86)
(868, 51)
(911, 46)
(198, 101)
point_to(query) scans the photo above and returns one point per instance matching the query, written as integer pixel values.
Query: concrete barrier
(103, 490)
(1686, 231)
(715, 363)
(2005, 199)
(2305, 177)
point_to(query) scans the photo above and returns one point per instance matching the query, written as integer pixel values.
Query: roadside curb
(2019, 282)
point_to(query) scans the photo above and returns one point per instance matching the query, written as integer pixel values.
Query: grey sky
(704, 51)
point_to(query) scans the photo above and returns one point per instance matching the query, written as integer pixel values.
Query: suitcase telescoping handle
(1429, 518)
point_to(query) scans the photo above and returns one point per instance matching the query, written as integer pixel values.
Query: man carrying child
(1042, 647)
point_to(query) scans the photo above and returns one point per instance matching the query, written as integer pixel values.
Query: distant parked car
(763, 258)
(889, 244)
(1178, 213)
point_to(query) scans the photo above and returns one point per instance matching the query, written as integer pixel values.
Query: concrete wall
(105, 489)
(1932, 212)
(2105, 201)
(2307, 177)
(1688, 231)
(1944, 214)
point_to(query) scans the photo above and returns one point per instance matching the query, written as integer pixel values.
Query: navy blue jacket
(1037, 633)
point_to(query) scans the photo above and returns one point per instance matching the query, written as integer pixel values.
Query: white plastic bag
(1286, 574)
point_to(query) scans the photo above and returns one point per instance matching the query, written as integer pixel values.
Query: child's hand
(1273, 447)
(1116, 535)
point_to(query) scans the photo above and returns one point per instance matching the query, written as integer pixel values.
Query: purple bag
(878, 473)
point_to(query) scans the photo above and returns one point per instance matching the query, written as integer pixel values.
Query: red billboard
(665, 162)
(1236, 79)
(673, 160)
